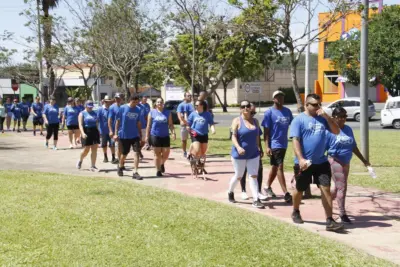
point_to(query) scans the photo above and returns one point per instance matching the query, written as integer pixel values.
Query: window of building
(330, 84)
(102, 80)
(326, 49)
(102, 95)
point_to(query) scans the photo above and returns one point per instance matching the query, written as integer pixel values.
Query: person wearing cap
(51, 119)
(9, 116)
(16, 110)
(145, 109)
(88, 125)
(70, 118)
(105, 138)
(128, 131)
(37, 111)
(276, 125)
(112, 113)
(24, 113)
(79, 105)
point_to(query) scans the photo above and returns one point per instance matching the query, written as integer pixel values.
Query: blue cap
(89, 104)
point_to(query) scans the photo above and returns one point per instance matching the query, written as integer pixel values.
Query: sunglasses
(314, 105)
(341, 117)
(245, 106)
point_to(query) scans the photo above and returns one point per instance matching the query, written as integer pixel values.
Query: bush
(289, 94)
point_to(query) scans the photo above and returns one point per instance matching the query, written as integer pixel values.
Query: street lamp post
(307, 67)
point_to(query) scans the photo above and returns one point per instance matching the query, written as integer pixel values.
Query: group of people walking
(14, 111)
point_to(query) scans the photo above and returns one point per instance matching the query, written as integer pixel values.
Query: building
(330, 85)
(24, 90)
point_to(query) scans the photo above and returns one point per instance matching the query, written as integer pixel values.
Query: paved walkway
(376, 214)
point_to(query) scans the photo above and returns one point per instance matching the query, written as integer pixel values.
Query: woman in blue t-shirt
(9, 114)
(88, 125)
(52, 122)
(198, 122)
(340, 151)
(37, 111)
(16, 111)
(159, 122)
(70, 118)
(25, 107)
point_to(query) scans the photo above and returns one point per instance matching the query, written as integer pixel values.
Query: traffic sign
(252, 88)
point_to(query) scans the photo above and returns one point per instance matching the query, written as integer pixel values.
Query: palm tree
(48, 52)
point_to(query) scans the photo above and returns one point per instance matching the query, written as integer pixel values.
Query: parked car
(172, 105)
(352, 106)
(390, 114)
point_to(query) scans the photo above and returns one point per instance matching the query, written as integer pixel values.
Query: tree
(383, 51)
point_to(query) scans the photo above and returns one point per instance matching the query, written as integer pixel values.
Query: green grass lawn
(384, 156)
(60, 220)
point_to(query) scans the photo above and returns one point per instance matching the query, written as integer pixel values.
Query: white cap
(107, 98)
(278, 92)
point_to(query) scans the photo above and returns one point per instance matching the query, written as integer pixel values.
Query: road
(226, 120)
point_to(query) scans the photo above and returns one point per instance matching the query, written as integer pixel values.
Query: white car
(390, 114)
(352, 106)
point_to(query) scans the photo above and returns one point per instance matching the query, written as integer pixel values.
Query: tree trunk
(125, 87)
(225, 105)
(219, 99)
(293, 69)
(47, 53)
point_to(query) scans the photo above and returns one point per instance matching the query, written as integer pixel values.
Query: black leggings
(2, 119)
(52, 129)
(259, 178)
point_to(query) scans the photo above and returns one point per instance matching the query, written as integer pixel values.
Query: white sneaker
(262, 197)
(71, 146)
(54, 148)
(245, 196)
(79, 164)
(94, 169)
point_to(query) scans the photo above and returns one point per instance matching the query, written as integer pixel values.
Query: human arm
(299, 153)
(211, 122)
(149, 121)
(171, 127)
(235, 127)
(357, 152)
(33, 111)
(117, 123)
(110, 122)
(259, 143)
(80, 121)
(333, 127)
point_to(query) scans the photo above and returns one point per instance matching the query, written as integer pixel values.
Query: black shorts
(92, 137)
(25, 118)
(37, 121)
(106, 139)
(202, 139)
(126, 145)
(73, 127)
(156, 141)
(278, 156)
(320, 172)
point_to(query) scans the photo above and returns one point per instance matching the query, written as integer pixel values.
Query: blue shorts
(106, 139)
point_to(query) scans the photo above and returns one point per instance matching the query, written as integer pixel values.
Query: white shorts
(143, 135)
(241, 164)
(184, 133)
(9, 114)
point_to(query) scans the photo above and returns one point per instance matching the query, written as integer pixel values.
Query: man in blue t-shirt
(37, 111)
(276, 125)
(308, 131)
(112, 113)
(102, 115)
(183, 111)
(145, 110)
(25, 107)
(129, 133)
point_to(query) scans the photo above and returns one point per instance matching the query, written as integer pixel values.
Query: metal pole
(307, 68)
(193, 60)
(364, 126)
(40, 49)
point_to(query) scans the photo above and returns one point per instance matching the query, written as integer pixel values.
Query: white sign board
(252, 88)
(174, 93)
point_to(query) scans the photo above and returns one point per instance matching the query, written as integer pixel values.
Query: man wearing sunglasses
(309, 133)
(276, 125)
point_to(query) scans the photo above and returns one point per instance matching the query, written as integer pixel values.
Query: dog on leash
(197, 166)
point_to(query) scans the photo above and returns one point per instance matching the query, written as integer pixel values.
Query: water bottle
(309, 162)
(371, 172)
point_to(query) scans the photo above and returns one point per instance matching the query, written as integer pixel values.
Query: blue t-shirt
(277, 121)
(8, 107)
(159, 123)
(102, 114)
(199, 122)
(38, 109)
(247, 139)
(16, 110)
(341, 146)
(51, 113)
(89, 119)
(25, 109)
(112, 114)
(80, 108)
(71, 115)
(184, 107)
(128, 117)
(144, 110)
(312, 134)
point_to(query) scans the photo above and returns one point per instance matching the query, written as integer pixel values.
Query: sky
(11, 21)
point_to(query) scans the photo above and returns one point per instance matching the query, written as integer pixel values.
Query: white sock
(233, 183)
(254, 187)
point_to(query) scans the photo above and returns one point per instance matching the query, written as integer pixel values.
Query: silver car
(352, 106)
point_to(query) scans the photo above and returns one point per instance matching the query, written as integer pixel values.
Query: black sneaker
(270, 193)
(123, 168)
(345, 219)
(162, 168)
(115, 161)
(41, 134)
(159, 174)
(34, 133)
(296, 217)
(287, 197)
(257, 204)
(105, 160)
(333, 226)
(137, 176)
(120, 172)
(231, 197)
(18, 131)
(141, 155)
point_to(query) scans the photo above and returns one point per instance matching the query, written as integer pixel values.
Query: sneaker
(159, 174)
(18, 131)
(34, 133)
(262, 197)
(79, 165)
(123, 168)
(13, 129)
(25, 130)
(46, 144)
(120, 172)
(269, 192)
(94, 169)
(136, 176)
(162, 168)
(71, 146)
(288, 197)
(257, 204)
(345, 219)
(105, 160)
(245, 196)
(231, 197)
(296, 217)
(185, 154)
(41, 134)
(55, 148)
(115, 161)
(333, 226)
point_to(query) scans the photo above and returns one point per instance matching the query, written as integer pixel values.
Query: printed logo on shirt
(160, 118)
(344, 140)
(282, 120)
(132, 116)
(200, 120)
(316, 127)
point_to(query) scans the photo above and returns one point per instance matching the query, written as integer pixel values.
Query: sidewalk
(376, 215)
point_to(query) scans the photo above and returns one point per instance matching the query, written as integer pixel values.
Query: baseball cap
(70, 99)
(277, 92)
(118, 95)
(107, 98)
(89, 104)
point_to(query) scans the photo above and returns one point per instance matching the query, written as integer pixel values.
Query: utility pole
(193, 60)
(364, 120)
(40, 56)
(307, 68)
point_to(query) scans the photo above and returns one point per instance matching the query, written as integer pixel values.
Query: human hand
(115, 137)
(268, 152)
(303, 164)
(84, 136)
(174, 136)
(321, 112)
(241, 151)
